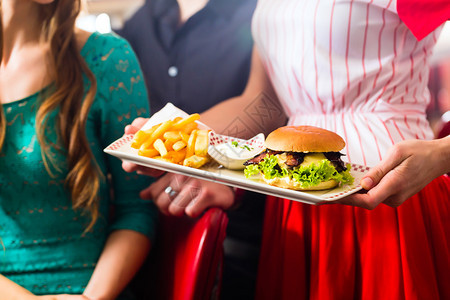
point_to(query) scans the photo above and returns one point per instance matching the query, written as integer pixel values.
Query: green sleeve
(123, 97)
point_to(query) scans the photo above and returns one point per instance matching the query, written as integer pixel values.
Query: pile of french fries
(179, 141)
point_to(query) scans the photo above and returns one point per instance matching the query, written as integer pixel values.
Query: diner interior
(189, 255)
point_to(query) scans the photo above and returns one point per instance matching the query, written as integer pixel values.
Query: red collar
(423, 16)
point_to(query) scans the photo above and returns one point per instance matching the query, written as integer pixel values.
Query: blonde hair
(73, 102)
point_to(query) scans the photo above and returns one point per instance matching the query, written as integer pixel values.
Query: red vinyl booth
(186, 260)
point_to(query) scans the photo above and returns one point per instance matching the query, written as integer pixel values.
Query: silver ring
(170, 192)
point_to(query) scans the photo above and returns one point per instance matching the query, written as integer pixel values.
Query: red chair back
(444, 130)
(186, 260)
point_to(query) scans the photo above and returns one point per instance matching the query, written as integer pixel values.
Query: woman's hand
(407, 168)
(176, 194)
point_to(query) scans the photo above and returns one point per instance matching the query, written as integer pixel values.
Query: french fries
(201, 143)
(179, 141)
(195, 161)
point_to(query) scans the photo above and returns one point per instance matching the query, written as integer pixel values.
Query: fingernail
(367, 183)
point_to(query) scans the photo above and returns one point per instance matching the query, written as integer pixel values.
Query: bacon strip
(258, 158)
(335, 158)
(294, 159)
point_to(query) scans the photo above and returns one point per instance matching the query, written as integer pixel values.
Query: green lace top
(44, 249)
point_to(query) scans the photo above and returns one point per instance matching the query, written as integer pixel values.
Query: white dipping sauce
(241, 151)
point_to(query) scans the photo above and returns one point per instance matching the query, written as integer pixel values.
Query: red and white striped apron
(353, 67)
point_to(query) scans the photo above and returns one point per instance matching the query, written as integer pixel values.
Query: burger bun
(287, 183)
(304, 139)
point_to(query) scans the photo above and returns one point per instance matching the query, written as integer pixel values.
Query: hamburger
(301, 158)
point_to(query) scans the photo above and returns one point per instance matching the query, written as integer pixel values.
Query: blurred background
(109, 15)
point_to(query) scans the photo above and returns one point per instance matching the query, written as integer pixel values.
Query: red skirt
(343, 252)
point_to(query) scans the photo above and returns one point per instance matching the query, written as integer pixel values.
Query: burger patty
(294, 159)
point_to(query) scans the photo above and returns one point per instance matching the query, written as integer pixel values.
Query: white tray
(215, 172)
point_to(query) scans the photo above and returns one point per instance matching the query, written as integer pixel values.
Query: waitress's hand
(407, 168)
(177, 195)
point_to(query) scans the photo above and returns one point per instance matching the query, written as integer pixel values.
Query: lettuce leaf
(251, 170)
(307, 176)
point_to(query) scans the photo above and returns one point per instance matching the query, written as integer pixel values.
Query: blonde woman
(66, 94)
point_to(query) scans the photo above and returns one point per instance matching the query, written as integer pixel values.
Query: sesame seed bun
(304, 139)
